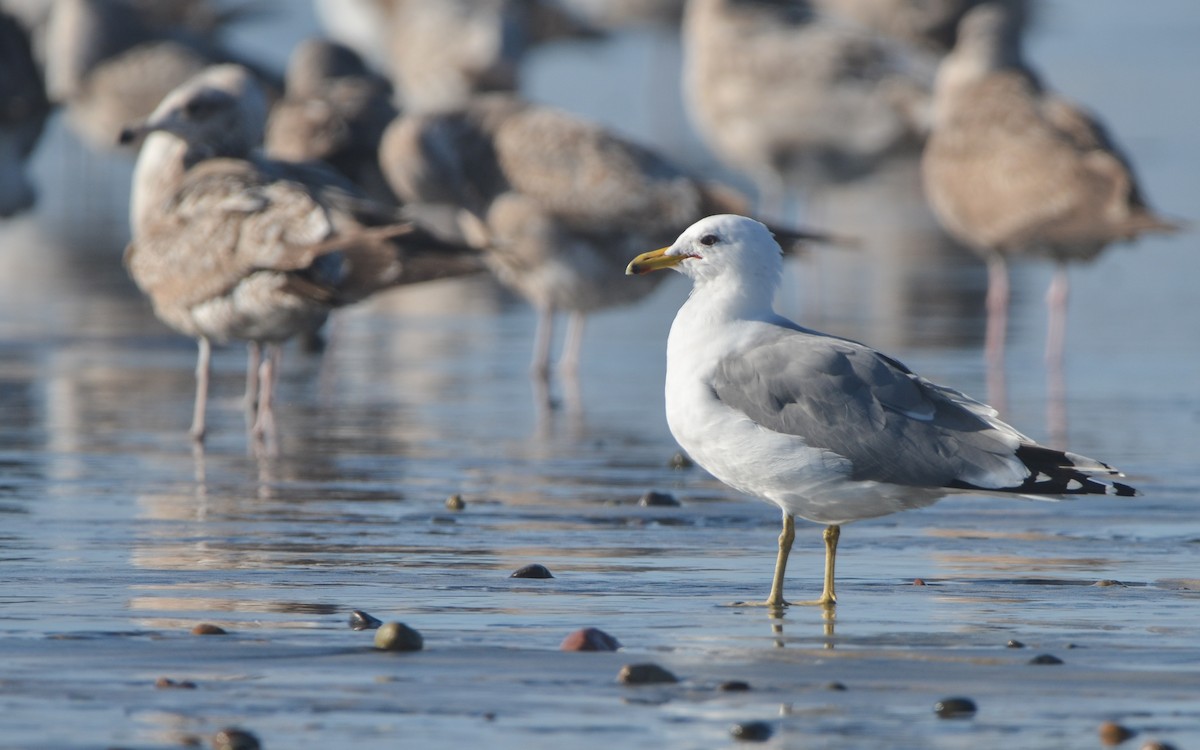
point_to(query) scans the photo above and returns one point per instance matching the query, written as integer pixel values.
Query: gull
(110, 62)
(439, 53)
(23, 112)
(557, 202)
(230, 245)
(826, 428)
(334, 110)
(787, 95)
(1012, 169)
(924, 25)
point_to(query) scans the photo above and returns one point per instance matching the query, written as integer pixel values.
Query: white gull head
(731, 256)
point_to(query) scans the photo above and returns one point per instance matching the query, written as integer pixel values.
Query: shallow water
(116, 538)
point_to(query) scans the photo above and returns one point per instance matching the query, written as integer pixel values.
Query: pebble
(232, 738)
(654, 499)
(396, 636)
(918, 582)
(752, 731)
(1015, 644)
(1112, 733)
(206, 628)
(1155, 745)
(644, 674)
(955, 708)
(680, 461)
(1045, 659)
(589, 639)
(734, 686)
(455, 502)
(360, 620)
(1107, 582)
(533, 570)
(835, 685)
(167, 682)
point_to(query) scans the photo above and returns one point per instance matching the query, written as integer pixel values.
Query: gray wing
(849, 399)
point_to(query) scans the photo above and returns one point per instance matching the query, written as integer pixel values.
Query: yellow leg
(775, 599)
(828, 597)
(786, 537)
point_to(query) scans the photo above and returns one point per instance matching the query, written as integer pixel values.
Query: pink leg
(1056, 304)
(568, 362)
(264, 423)
(1056, 337)
(253, 362)
(203, 359)
(997, 331)
(540, 367)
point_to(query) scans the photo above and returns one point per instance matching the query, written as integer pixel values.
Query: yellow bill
(655, 260)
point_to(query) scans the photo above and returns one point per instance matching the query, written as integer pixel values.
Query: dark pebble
(680, 461)
(532, 571)
(752, 731)
(735, 686)
(1112, 733)
(835, 685)
(644, 674)
(455, 502)
(396, 636)
(589, 639)
(1045, 659)
(206, 628)
(167, 682)
(654, 499)
(232, 738)
(955, 708)
(360, 620)
(1015, 644)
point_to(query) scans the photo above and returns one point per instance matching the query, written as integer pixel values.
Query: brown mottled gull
(110, 63)
(229, 245)
(559, 203)
(334, 110)
(1012, 169)
(789, 97)
(827, 429)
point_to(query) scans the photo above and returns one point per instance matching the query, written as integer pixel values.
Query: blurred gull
(826, 428)
(558, 203)
(929, 24)
(111, 63)
(789, 96)
(334, 110)
(23, 111)
(229, 245)
(1011, 169)
(441, 52)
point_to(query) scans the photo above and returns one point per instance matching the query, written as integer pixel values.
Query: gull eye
(708, 240)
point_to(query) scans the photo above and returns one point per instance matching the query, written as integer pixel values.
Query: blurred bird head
(222, 111)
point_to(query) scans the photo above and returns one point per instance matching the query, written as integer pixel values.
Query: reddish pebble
(167, 682)
(1112, 733)
(918, 582)
(589, 639)
(206, 628)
